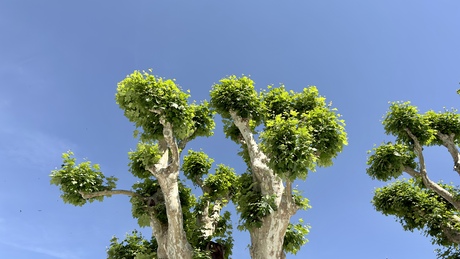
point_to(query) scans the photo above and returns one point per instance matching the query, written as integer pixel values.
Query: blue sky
(60, 62)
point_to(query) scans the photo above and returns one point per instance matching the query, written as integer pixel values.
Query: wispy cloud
(41, 250)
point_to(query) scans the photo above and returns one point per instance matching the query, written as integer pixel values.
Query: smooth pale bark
(449, 142)
(167, 172)
(267, 241)
(424, 175)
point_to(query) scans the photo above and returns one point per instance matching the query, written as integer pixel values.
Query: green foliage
(301, 132)
(203, 120)
(302, 202)
(402, 116)
(145, 156)
(146, 98)
(418, 208)
(74, 178)
(295, 238)
(238, 95)
(222, 184)
(388, 161)
(289, 147)
(447, 122)
(151, 200)
(134, 246)
(195, 165)
(251, 205)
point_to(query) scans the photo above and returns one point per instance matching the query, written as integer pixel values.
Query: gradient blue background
(60, 62)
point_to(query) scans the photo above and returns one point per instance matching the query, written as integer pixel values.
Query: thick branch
(426, 180)
(449, 143)
(434, 187)
(258, 158)
(108, 193)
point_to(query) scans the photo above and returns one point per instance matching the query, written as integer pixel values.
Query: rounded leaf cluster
(447, 123)
(301, 131)
(288, 145)
(145, 99)
(145, 156)
(251, 205)
(328, 133)
(388, 161)
(238, 95)
(222, 184)
(295, 238)
(278, 100)
(134, 246)
(196, 164)
(403, 116)
(417, 208)
(203, 120)
(74, 178)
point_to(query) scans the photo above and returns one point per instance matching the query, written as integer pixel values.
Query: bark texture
(267, 241)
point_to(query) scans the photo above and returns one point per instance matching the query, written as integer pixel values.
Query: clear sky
(60, 62)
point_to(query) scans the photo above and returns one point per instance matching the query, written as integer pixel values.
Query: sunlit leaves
(73, 178)
(238, 95)
(251, 205)
(447, 123)
(295, 237)
(404, 116)
(196, 164)
(145, 156)
(146, 99)
(388, 161)
(418, 208)
(134, 246)
(222, 184)
(289, 147)
(301, 132)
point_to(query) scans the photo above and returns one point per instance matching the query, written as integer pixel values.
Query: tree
(165, 122)
(282, 135)
(419, 203)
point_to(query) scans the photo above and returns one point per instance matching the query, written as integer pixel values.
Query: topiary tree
(298, 132)
(165, 122)
(418, 203)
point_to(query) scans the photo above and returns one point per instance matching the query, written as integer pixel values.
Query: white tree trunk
(178, 247)
(267, 241)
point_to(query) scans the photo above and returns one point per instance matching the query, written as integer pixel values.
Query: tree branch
(449, 143)
(426, 180)
(108, 193)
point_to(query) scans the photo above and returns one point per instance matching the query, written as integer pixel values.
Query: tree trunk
(267, 241)
(178, 246)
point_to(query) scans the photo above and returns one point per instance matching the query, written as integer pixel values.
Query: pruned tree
(298, 132)
(419, 203)
(182, 226)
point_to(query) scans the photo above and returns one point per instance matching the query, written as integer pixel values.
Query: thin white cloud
(31, 148)
(41, 250)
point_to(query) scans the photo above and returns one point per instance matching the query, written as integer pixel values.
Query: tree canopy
(283, 135)
(419, 203)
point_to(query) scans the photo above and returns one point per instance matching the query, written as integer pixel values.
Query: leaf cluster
(145, 156)
(251, 204)
(295, 238)
(147, 99)
(419, 208)
(73, 178)
(134, 246)
(301, 132)
(388, 161)
(403, 116)
(238, 95)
